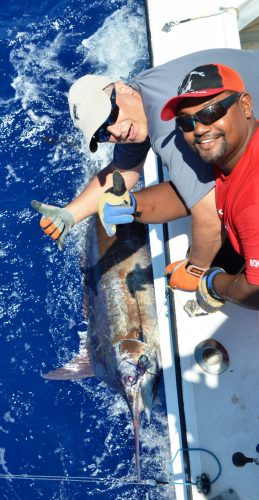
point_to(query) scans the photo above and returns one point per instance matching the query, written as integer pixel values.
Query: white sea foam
(3, 463)
(119, 48)
(37, 66)
(118, 44)
(8, 418)
(11, 175)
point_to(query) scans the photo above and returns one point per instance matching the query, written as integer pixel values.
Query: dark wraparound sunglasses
(207, 115)
(102, 134)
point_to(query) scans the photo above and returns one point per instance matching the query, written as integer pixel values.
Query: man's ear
(247, 105)
(123, 88)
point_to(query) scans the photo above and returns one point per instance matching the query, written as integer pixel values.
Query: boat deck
(220, 410)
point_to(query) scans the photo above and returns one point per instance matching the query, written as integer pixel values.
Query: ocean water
(57, 431)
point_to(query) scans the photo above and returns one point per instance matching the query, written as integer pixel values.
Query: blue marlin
(122, 344)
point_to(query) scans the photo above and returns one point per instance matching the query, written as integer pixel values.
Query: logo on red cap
(203, 81)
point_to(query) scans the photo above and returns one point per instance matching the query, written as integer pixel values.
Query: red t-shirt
(237, 199)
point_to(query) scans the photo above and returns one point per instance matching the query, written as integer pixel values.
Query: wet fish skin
(119, 290)
(119, 305)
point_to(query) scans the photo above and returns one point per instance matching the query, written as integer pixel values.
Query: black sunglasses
(208, 115)
(102, 134)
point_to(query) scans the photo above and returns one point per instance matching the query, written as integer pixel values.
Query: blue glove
(116, 206)
(119, 214)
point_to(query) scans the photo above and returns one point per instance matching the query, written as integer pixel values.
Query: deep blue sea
(67, 429)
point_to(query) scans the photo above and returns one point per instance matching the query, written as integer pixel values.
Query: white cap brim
(89, 105)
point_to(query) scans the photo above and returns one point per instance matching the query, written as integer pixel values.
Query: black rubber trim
(149, 38)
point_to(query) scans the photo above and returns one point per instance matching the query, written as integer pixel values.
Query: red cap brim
(169, 111)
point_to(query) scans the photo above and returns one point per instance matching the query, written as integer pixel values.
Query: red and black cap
(203, 81)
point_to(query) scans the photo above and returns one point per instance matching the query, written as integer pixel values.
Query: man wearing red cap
(214, 112)
(129, 117)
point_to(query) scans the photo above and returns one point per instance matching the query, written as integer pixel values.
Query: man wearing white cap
(129, 116)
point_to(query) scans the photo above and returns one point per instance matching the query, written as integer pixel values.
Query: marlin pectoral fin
(77, 368)
(133, 333)
(132, 346)
(119, 186)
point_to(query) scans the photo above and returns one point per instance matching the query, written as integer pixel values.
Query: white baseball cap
(89, 105)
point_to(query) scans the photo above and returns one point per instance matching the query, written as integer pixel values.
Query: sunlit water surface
(79, 429)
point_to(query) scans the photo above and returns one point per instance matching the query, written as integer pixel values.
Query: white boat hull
(221, 411)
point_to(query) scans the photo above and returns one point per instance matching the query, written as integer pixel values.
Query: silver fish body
(122, 345)
(121, 312)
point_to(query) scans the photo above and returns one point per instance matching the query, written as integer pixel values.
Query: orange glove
(184, 275)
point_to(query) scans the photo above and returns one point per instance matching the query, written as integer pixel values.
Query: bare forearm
(208, 234)
(86, 203)
(159, 203)
(237, 289)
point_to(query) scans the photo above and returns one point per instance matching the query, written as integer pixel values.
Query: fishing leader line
(160, 311)
(144, 482)
(77, 479)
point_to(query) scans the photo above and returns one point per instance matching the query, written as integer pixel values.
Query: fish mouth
(140, 398)
(139, 376)
(139, 373)
(134, 398)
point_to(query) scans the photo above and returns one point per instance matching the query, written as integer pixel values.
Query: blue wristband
(133, 202)
(209, 282)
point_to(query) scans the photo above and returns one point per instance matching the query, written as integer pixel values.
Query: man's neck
(229, 164)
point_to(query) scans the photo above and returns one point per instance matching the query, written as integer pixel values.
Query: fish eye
(142, 360)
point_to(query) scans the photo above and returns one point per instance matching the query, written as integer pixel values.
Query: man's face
(223, 141)
(131, 124)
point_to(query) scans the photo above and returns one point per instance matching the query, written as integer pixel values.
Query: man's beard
(213, 156)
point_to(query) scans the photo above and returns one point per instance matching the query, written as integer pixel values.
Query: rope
(169, 25)
(188, 483)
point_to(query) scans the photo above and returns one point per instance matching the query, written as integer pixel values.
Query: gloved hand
(117, 205)
(207, 295)
(56, 222)
(184, 275)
